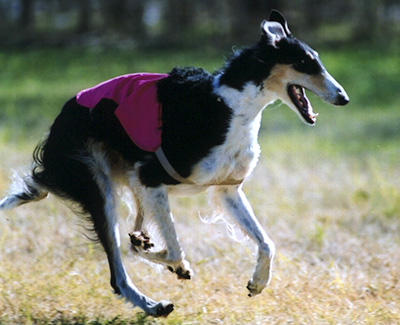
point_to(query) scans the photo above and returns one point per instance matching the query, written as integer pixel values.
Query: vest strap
(176, 176)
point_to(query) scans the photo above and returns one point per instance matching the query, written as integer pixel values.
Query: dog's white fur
(231, 161)
(235, 159)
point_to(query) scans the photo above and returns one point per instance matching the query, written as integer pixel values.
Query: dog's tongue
(301, 97)
(302, 103)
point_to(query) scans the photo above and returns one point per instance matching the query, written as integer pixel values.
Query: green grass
(328, 195)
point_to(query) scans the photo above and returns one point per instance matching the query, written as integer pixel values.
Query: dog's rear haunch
(208, 141)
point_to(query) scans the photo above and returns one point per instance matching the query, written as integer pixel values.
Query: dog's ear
(272, 31)
(278, 17)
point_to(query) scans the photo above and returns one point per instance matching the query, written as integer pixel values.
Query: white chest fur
(238, 155)
(234, 159)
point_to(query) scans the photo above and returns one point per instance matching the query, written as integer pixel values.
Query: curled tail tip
(15, 200)
(8, 202)
(24, 192)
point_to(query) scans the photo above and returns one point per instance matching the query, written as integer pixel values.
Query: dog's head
(296, 67)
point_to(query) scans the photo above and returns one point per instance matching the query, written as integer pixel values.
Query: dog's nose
(342, 98)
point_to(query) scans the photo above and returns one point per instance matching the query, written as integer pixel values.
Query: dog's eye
(302, 62)
(307, 64)
(299, 64)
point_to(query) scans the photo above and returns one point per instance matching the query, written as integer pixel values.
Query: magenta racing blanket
(138, 110)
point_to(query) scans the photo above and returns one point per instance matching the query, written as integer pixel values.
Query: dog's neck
(247, 103)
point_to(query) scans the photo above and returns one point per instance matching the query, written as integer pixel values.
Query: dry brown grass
(329, 197)
(334, 218)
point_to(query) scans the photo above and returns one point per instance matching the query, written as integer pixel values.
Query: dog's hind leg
(234, 202)
(101, 206)
(153, 204)
(87, 181)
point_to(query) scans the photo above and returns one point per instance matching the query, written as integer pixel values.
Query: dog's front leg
(233, 200)
(153, 205)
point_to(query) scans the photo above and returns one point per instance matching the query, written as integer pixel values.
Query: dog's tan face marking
(284, 79)
(289, 85)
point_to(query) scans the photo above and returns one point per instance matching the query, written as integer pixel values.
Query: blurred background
(49, 50)
(328, 195)
(185, 23)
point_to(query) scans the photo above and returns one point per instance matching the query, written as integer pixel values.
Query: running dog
(185, 131)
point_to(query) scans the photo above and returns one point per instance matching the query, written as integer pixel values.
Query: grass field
(329, 197)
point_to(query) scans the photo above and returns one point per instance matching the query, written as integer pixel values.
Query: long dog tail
(23, 190)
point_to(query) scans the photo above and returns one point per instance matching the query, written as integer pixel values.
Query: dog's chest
(234, 159)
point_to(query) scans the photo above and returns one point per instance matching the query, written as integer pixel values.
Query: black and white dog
(210, 125)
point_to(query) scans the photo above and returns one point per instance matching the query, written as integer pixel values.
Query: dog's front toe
(254, 289)
(159, 309)
(164, 308)
(139, 239)
(184, 274)
(183, 271)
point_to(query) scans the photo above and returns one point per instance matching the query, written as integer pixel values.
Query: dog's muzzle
(342, 98)
(332, 91)
(322, 85)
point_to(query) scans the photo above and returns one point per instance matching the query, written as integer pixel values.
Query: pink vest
(138, 110)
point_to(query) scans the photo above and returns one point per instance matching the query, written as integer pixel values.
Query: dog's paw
(254, 289)
(161, 309)
(183, 271)
(140, 240)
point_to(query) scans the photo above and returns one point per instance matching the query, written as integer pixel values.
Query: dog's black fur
(192, 117)
(195, 120)
(255, 63)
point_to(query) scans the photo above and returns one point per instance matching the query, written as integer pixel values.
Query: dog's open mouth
(298, 96)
